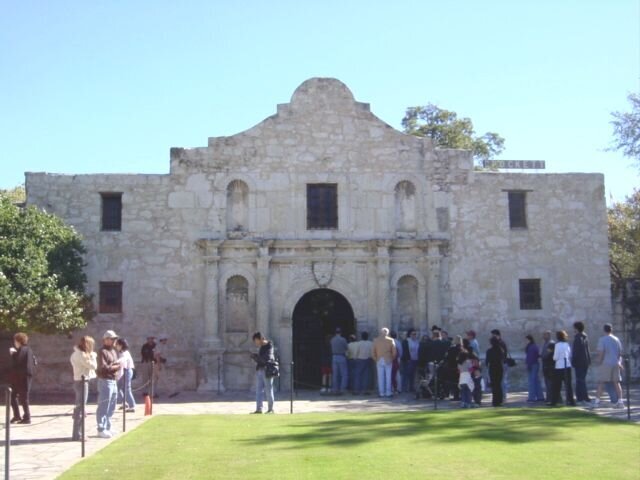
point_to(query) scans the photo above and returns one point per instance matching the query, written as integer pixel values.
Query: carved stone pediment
(322, 273)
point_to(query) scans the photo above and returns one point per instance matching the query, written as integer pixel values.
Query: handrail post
(124, 400)
(151, 390)
(7, 433)
(627, 374)
(82, 415)
(219, 373)
(435, 385)
(291, 390)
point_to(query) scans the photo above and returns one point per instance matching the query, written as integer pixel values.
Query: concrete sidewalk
(43, 450)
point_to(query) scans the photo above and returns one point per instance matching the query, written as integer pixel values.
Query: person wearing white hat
(108, 367)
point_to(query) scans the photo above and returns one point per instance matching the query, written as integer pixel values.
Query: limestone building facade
(321, 216)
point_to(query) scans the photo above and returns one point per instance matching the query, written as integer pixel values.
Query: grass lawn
(479, 444)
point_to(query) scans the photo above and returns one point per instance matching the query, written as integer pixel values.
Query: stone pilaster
(212, 350)
(384, 298)
(211, 301)
(262, 291)
(434, 313)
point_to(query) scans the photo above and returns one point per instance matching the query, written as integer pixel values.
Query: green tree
(626, 130)
(41, 272)
(624, 238)
(16, 194)
(448, 131)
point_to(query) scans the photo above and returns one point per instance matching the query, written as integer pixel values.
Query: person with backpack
(23, 363)
(264, 379)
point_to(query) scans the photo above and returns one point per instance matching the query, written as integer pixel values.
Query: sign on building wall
(515, 164)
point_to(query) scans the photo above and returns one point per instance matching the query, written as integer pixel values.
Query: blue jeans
(264, 386)
(465, 395)
(361, 375)
(340, 374)
(412, 367)
(351, 365)
(581, 384)
(384, 378)
(124, 388)
(611, 391)
(535, 388)
(107, 399)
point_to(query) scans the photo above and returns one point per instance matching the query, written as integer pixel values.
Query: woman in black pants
(562, 371)
(495, 363)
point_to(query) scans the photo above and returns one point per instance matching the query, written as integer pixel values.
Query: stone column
(211, 303)
(384, 297)
(434, 312)
(262, 292)
(212, 350)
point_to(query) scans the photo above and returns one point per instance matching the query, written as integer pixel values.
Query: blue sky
(91, 87)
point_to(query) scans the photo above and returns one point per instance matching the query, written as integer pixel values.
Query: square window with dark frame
(517, 210)
(322, 206)
(110, 297)
(530, 294)
(111, 212)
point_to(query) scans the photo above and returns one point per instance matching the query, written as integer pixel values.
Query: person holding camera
(265, 372)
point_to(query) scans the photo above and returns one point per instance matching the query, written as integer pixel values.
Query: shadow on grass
(515, 426)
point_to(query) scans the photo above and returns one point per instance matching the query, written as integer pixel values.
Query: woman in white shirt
(562, 372)
(84, 363)
(125, 375)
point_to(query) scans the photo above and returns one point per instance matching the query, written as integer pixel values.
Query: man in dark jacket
(581, 359)
(22, 362)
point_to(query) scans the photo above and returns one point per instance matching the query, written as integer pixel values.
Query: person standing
(108, 367)
(532, 360)
(325, 365)
(581, 359)
(127, 368)
(339, 363)
(495, 364)
(147, 368)
(20, 375)
(548, 365)
(395, 365)
(451, 371)
(384, 351)
(410, 349)
(562, 371)
(362, 364)
(352, 348)
(84, 363)
(264, 383)
(505, 371)
(473, 342)
(609, 355)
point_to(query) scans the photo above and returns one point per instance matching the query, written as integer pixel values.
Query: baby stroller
(427, 386)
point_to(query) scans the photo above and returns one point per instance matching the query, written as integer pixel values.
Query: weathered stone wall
(565, 245)
(421, 240)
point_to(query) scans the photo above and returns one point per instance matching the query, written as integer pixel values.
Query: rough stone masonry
(323, 195)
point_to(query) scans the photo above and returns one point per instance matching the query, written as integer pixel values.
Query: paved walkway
(43, 450)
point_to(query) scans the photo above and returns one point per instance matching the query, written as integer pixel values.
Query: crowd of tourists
(438, 365)
(434, 365)
(112, 367)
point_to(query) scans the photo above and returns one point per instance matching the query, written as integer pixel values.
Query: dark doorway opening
(316, 315)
